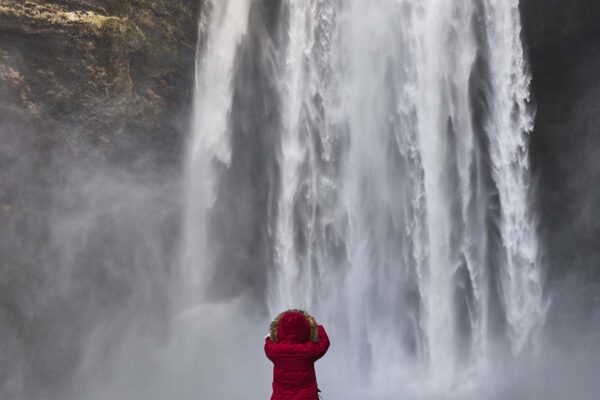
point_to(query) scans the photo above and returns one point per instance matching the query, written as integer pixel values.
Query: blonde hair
(312, 323)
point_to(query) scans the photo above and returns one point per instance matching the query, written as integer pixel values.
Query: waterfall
(222, 24)
(369, 161)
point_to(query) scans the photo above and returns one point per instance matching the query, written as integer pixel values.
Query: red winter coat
(293, 357)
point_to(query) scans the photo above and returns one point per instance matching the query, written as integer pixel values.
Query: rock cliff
(563, 38)
(88, 88)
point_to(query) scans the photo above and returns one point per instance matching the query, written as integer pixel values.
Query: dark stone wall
(549, 24)
(563, 39)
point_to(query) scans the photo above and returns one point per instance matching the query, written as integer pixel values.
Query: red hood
(293, 327)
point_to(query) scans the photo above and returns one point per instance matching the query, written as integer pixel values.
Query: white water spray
(222, 26)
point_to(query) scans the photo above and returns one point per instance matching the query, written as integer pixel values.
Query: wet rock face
(116, 73)
(548, 24)
(563, 37)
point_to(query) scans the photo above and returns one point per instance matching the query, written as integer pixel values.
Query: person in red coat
(293, 345)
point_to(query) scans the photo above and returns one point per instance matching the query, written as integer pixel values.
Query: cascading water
(368, 161)
(222, 24)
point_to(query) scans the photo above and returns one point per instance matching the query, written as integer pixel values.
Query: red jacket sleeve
(269, 348)
(319, 349)
(313, 351)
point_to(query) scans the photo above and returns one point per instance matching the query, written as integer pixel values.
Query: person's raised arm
(319, 349)
(269, 347)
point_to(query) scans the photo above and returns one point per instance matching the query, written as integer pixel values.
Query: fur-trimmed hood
(294, 326)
